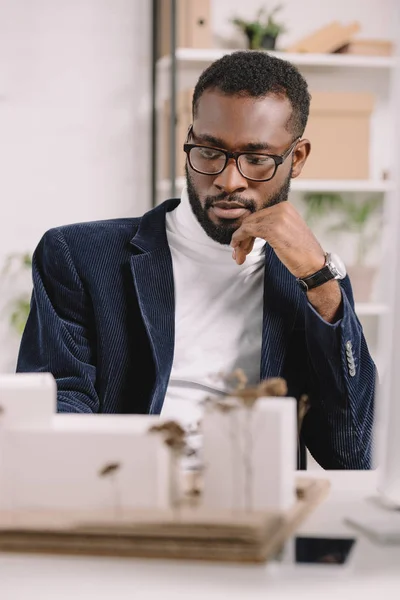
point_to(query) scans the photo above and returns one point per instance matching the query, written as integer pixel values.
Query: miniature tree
(110, 471)
(304, 407)
(230, 407)
(247, 396)
(175, 440)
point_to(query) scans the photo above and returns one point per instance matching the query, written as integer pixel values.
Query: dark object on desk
(327, 551)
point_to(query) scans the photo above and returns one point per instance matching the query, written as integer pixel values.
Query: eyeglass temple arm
(188, 134)
(291, 148)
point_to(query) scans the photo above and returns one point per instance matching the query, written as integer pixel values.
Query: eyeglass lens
(210, 161)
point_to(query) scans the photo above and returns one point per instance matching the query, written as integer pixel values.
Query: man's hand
(286, 232)
(296, 247)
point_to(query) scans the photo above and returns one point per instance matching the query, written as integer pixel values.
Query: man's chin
(225, 222)
(231, 224)
(220, 231)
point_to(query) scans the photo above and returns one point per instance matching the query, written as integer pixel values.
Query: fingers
(240, 235)
(242, 250)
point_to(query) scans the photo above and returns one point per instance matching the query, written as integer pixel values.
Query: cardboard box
(339, 132)
(183, 120)
(193, 25)
(329, 38)
(366, 47)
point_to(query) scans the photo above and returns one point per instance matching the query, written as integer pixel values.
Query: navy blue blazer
(102, 321)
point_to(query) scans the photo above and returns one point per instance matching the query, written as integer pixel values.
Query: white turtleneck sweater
(218, 312)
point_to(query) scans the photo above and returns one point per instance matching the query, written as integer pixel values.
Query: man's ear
(300, 155)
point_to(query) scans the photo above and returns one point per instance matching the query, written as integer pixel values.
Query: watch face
(336, 264)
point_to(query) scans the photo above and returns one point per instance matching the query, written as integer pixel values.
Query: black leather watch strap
(316, 279)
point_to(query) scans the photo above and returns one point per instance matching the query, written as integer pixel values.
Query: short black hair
(256, 74)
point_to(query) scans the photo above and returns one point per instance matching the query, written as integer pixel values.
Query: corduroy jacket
(102, 322)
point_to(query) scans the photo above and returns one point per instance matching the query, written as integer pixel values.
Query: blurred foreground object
(106, 485)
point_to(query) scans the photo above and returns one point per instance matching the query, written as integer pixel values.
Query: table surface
(372, 568)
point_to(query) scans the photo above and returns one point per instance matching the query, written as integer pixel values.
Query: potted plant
(18, 265)
(318, 204)
(263, 32)
(356, 219)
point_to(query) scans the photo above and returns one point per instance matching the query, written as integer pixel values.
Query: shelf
(208, 55)
(312, 185)
(338, 185)
(370, 309)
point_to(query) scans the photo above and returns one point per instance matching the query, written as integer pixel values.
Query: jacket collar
(151, 233)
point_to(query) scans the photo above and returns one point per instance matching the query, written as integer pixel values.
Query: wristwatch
(333, 269)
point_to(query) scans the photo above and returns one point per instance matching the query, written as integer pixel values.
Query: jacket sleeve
(59, 336)
(338, 427)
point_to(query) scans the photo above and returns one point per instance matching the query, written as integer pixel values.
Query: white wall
(74, 122)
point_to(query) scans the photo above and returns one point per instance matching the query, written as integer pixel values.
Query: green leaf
(19, 316)
(356, 213)
(260, 26)
(27, 260)
(320, 204)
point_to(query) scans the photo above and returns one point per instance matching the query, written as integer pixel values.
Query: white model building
(108, 462)
(250, 455)
(50, 461)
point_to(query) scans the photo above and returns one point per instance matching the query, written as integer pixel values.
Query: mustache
(211, 200)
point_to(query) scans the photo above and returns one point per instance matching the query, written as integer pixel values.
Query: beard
(222, 232)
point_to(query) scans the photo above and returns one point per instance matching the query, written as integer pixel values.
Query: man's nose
(231, 180)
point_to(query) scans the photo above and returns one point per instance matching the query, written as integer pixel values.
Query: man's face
(237, 124)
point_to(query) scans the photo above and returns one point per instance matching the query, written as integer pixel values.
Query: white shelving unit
(340, 61)
(311, 185)
(323, 72)
(370, 309)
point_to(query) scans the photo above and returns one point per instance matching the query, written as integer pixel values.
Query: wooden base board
(192, 533)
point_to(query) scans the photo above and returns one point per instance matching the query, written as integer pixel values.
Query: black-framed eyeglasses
(255, 166)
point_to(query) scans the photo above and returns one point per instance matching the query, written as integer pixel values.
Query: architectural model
(102, 484)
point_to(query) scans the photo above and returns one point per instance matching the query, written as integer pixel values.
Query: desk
(372, 572)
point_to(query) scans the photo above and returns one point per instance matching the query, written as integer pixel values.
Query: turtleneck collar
(182, 221)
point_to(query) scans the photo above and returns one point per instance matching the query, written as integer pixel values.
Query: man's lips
(229, 210)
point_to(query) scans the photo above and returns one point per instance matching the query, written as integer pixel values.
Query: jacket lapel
(152, 273)
(281, 303)
(154, 283)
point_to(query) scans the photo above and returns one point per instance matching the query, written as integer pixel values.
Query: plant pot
(268, 42)
(252, 40)
(362, 280)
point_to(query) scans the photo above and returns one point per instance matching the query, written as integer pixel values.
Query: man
(140, 315)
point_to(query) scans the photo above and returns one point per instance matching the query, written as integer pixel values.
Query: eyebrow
(219, 143)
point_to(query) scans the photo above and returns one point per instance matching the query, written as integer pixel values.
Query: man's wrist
(311, 268)
(327, 300)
